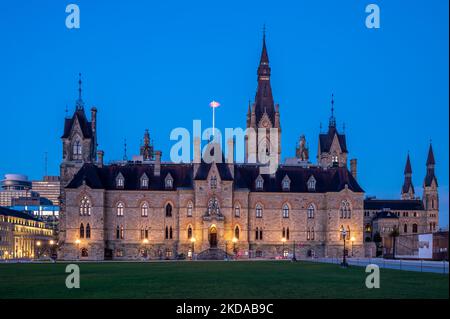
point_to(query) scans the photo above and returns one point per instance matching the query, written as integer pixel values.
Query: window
(368, 228)
(122, 235)
(345, 210)
(237, 211)
(260, 234)
(308, 234)
(144, 209)
(347, 235)
(213, 182)
(286, 183)
(144, 181)
(334, 159)
(236, 232)
(189, 209)
(88, 231)
(311, 184)
(85, 206)
(170, 232)
(168, 210)
(117, 232)
(84, 252)
(312, 233)
(120, 181)
(142, 233)
(120, 207)
(257, 233)
(168, 181)
(146, 233)
(259, 183)
(285, 253)
(81, 230)
(310, 211)
(189, 232)
(285, 211)
(414, 228)
(259, 211)
(167, 233)
(77, 150)
(405, 228)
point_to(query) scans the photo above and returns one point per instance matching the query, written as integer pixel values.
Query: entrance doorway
(213, 237)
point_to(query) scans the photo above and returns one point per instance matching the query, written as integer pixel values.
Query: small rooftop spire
(332, 118)
(79, 103)
(430, 158)
(125, 158)
(408, 169)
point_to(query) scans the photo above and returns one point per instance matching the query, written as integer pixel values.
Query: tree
(394, 234)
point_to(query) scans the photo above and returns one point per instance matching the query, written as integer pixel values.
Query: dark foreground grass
(262, 279)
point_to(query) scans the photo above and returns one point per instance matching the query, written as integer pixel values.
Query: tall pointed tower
(332, 150)
(263, 116)
(408, 188)
(430, 193)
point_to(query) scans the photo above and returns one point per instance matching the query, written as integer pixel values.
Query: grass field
(262, 279)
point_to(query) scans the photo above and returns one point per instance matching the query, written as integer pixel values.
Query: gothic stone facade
(151, 209)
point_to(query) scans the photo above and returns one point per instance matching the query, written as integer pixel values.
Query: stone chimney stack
(157, 171)
(230, 155)
(100, 155)
(94, 130)
(353, 167)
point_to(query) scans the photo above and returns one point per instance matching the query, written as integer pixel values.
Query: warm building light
(52, 242)
(235, 240)
(283, 239)
(352, 239)
(38, 243)
(77, 241)
(193, 239)
(145, 241)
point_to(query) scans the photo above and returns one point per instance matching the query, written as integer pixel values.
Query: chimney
(353, 167)
(230, 155)
(157, 171)
(100, 155)
(94, 130)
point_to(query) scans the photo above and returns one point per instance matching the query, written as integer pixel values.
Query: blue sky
(157, 64)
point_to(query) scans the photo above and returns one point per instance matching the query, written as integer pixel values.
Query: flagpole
(214, 118)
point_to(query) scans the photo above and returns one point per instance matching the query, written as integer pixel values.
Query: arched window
(88, 231)
(345, 210)
(146, 233)
(122, 233)
(85, 206)
(189, 232)
(405, 228)
(287, 233)
(259, 183)
(213, 182)
(84, 252)
(170, 232)
(285, 211)
(257, 233)
(312, 233)
(81, 230)
(310, 211)
(120, 207)
(168, 210)
(259, 211)
(368, 228)
(117, 232)
(283, 234)
(189, 209)
(308, 234)
(76, 150)
(237, 211)
(414, 228)
(236, 232)
(167, 232)
(144, 209)
(260, 234)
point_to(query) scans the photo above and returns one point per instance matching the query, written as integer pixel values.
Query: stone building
(147, 208)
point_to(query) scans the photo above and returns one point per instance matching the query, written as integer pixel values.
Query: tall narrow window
(414, 228)
(189, 209)
(117, 232)
(257, 233)
(167, 232)
(405, 228)
(168, 210)
(285, 211)
(170, 232)
(144, 209)
(189, 232)
(77, 150)
(122, 233)
(120, 207)
(287, 233)
(308, 234)
(85, 206)
(236, 232)
(310, 211)
(259, 211)
(237, 211)
(81, 230)
(88, 231)
(260, 234)
(259, 183)
(312, 233)
(213, 182)
(146, 233)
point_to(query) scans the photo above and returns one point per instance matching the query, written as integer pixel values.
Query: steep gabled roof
(85, 125)
(326, 140)
(393, 204)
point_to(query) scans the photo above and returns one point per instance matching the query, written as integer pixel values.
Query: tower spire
(79, 103)
(408, 188)
(332, 118)
(125, 158)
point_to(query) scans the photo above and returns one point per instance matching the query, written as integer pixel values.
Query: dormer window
(144, 181)
(213, 182)
(334, 160)
(120, 181)
(311, 184)
(286, 183)
(259, 183)
(168, 181)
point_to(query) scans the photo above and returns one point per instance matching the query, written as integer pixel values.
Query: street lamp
(352, 239)
(193, 246)
(144, 243)
(283, 240)
(235, 240)
(78, 248)
(38, 244)
(294, 258)
(344, 259)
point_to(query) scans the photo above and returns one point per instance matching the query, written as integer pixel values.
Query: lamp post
(344, 259)
(38, 244)
(283, 240)
(193, 247)
(294, 258)
(352, 239)
(234, 246)
(78, 248)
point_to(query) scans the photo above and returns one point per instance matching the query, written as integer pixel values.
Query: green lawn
(262, 279)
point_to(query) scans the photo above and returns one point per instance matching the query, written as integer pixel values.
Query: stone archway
(212, 236)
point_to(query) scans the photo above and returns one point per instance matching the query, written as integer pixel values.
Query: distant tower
(408, 188)
(430, 193)
(332, 150)
(146, 150)
(302, 151)
(263, 114)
